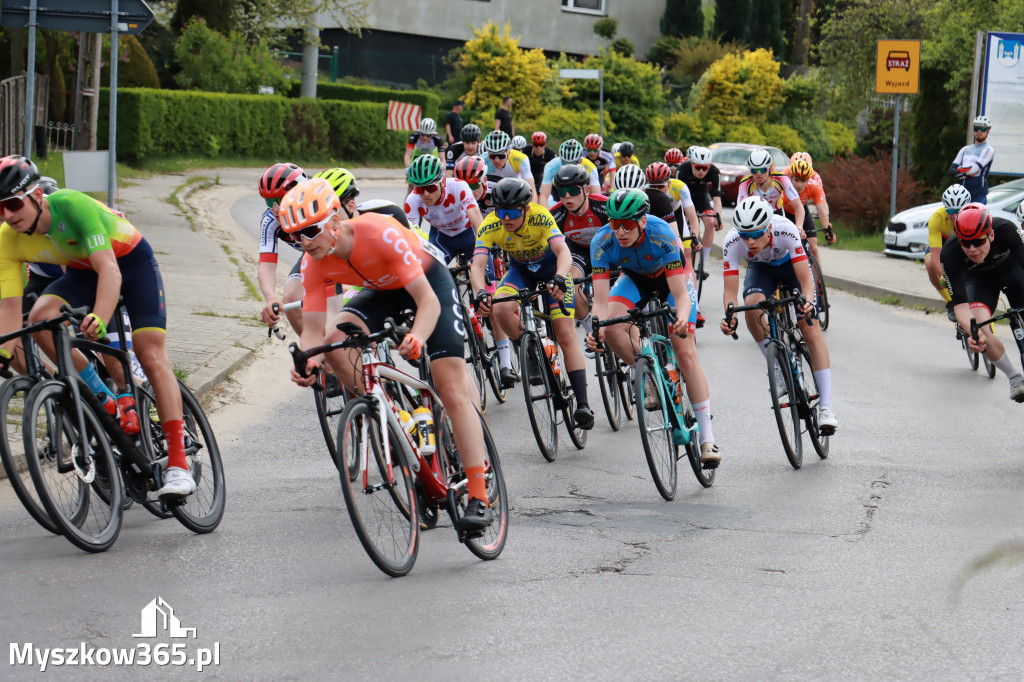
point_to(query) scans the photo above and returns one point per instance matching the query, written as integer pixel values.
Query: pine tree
(683, 18)
(731, 18)
(764, 27)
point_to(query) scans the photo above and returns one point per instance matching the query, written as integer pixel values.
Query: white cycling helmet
(690, 150)
(427, 126)
(759, 158)
(615, 147)
(956, 197)
(752, 214)
(982, 121)
(630, 176)
(570, 151)
(700, 156)
(519, 142)
(496, 142)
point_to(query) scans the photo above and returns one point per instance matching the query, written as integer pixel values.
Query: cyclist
(604, 161)
(704, 181)
(473, 171)
(986, 257)
(424, 141)
(396, 272)
(973, 162)
(940, 229)
(570, 151)
(659, 203)
(674, 158)
(771, 186)
(469, 146)
(537, 253)
(447, 204)
(659, 177)
(520, 144)
(540, 155)
(807, 183)
(771, 245)
(274, 184)
(106, 257)
(505, 162)
(579, 215)
(647, 251)
(626, 155)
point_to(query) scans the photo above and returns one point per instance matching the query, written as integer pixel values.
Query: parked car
(731, 160)
(906, 235)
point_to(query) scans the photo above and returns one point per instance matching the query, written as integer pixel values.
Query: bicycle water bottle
(552, 352)
(425, 424)
(673, 376)
(408, 423)
(477, 329)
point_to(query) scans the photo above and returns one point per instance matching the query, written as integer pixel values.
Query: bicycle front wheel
(477, 361)
(990, 369)
(698, 270)
(655, 429)
(540, 404)
(812, 400)
(61, 471)
(604, 362)
(379, 492)
(329, 402)
(785, 403)
(819, 283)
(203, 510)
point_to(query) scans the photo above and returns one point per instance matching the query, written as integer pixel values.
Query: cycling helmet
(752, 214)
(427, 127)
(279, 178)
(571, 175)
(470, 133)
(628, 204)
(701, 156)
(496, 142)
(593, 141)
(800, 170)
(309, 202)
(982, 121)
(674, 156)
(519, 142)
(690, 150)
(540, 138)
(343, 182)
(801, 156)
(759, 158)
(570, 151)
(658, 173)
(956, 197)
(973, 221)
(425, 170)
(630, 176)
(17, 174)
(615, 147)
(49, 185)
(470, 169)
(627, 150)
(511, 193)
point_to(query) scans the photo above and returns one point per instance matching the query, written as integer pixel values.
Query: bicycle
(390, 478)
(789, 362)
(542, 375)
(1015, 316)
(697, 252)
(70, 439)
(483, 351)
(672, 423)
(822, 292)
(974, 358)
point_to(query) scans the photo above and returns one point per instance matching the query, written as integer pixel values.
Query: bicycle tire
(785, 406)
(328, 414)
(625, 389)
(605, 370)
(493, 366)
(698, 269)
(577, 435)
(543, 419)
(371, 496)
(94, 525)
(203, 510)
(819, 281)
(151, 433)
(990, 369)
(818, 441)
(706, 477)
(12, 450)
(661, 459)
(477, 360)
(972, 356)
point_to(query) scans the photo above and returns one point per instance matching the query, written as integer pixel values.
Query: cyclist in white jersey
(771, 186)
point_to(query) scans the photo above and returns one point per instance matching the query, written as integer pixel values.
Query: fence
(12, 112)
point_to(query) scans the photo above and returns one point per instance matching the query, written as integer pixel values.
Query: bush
(561, 123)
(858, 190)
(745, 132)
(841, 139)
(632, 93)
(783, 137)
(812, 132)
(500, 68)
(136, 69)
(684, 129)
(216, 63)
(739, 88)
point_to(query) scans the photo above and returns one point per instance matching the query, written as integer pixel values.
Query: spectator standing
(503, 117)
(453, 123)
(972, 164)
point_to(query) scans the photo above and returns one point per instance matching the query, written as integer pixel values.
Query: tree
(218, 63)
(740, 88)
(500, 68)
(633, 95)
(219, 16)
(683, 18)
(764, 27)
(731, 20)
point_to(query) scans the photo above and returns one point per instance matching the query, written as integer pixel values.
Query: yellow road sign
(898, 68)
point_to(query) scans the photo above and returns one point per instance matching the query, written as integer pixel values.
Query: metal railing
(12, 111)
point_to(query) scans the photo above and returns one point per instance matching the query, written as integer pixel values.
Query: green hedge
(155, 123)
(430, 102)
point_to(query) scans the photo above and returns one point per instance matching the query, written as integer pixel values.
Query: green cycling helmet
(628, 204)
(343, 182)
(425, 170)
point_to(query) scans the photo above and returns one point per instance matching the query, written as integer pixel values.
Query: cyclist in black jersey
(539, 156)
(704, 181)
(469, 146)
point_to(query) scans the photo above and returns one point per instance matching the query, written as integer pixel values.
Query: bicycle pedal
(704, 275)
(709, 465)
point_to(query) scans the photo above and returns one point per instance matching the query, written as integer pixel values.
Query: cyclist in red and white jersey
(447, 204)
(770, 185)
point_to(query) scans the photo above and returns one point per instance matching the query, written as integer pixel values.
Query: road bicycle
(822, 291)
(1015, 316)
(613, 381)
(974, 358)
(697, 252)
(391, 477)
(482, 355)
(670, 423)
(794, 391)
(549, 397)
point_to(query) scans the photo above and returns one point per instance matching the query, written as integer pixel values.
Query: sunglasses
(475, 185)
(539, 144)
(624, 225)
(747, 236)
(311, 232)
(13, 204)
(980, 130)
(509, 213)
(699, 168)
(757, 171)
(497, 157)
(271, 202)
(572, 191)
(427, 189)
(976, 243)
(952, 211)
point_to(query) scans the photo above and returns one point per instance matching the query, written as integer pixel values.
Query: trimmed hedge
(430, 102)
(154, 123)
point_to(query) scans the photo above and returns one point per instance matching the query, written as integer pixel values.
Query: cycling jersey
(680, 194)
(784, 246)
(657, 252)
(433, 145)
(456, 152)
(448, 215)
(814, 192)
(977, 159)
(516, 166)
(605, 163)
(530, 245)
(555, 164)
(940, 228)
(620, 162)
(1004, 263)
(580, 229)
(660, 205)
(537, 164)
(778, 186)
(701, 189)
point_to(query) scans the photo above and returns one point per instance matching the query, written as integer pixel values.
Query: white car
(906, 235)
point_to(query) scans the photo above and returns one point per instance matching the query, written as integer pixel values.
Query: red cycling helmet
(539, 137)
(674, 156)
(658, 173)
(592, 141)
(470, 169)
(973, 222)
(279, 178)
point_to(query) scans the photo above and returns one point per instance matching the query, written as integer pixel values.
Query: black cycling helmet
(627, 150)
(17, 174)
(511, 193)
(571, 175)
(470, 133)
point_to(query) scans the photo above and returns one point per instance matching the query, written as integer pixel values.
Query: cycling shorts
(462, 243)
(141, 286)
(983, 288)
(810, 227)
(519, 276)
(373, 307)
(763, 279)
(701, 200)
(636, 291)
(580, 256)
(36, 284)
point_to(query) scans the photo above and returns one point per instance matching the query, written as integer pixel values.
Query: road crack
(637, 549)
(871, 504)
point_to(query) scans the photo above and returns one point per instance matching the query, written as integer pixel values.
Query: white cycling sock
(702, 411)
(1006, 366)
(504, 353)
(586, 324)
(824, 379)
(706, 251)
(763, 345)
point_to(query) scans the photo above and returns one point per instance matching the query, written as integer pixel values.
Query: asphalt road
(846, 569)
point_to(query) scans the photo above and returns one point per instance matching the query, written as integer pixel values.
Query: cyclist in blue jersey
(646, 249)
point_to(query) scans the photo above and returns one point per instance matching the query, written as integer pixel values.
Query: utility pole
(87, 87)
(310, 58)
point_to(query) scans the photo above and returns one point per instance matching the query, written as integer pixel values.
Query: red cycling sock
(174, 432)
(476, 483)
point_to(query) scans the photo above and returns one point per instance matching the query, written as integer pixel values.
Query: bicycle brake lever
(276, 330)
(300, 359)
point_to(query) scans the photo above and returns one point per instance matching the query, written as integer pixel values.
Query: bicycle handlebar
(635, 315)
(528, 294)
(976, 325)
(277, 307)
(357, 338)
(767, 304)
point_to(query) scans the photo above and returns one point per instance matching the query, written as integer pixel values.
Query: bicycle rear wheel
(819, 283)
(540, 405)
(380, 497)
(477, 361)
(625, 388)
(203, 510)
(972, 355)
(53, 451)
(706, 477)
(605, 364)
(785, 403)
(656, 431)
(698, 270)
(12, 450)
(577, 435)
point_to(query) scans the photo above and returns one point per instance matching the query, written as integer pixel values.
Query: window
(588, 6)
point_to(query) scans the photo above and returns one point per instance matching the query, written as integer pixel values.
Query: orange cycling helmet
(801, 156)
(973, 222)
(658, 173)
(307, 203)
(592, 141)
(674, 156)
(800, 169)
(470, 169)
(279, 178)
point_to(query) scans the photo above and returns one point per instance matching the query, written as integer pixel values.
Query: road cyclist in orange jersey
(807, 182)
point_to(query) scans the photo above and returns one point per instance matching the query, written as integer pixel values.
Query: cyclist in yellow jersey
(940, 228)
(625, 155)
(505, 162)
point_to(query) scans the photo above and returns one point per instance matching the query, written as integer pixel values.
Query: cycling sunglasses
(952, 211)
(498, 157)
(572, 191)
(976, 243)
(509, 213)
(272, 202)
(14, 203)
(311, 232)
(699, 168)
(474, 185)
(747, 236)
(623, 225)
(980, 130)
(427, 189)
(756, 171)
